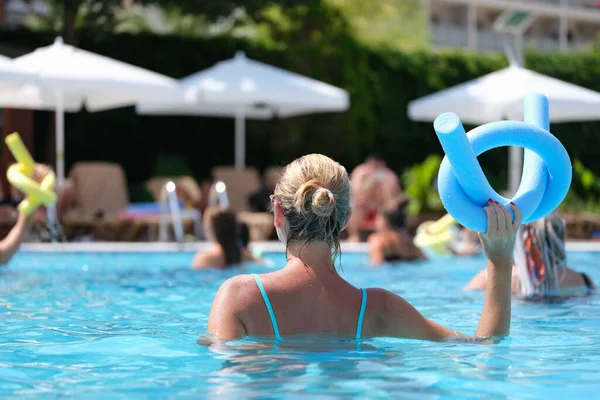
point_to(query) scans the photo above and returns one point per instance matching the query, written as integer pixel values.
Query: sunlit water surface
(122, 325)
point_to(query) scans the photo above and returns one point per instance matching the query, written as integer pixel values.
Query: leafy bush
(419, 185)
(584, 195)
(319, 42)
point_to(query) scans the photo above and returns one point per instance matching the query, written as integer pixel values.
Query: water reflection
(302, 363)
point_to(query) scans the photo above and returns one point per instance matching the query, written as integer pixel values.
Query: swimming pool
(104, 325)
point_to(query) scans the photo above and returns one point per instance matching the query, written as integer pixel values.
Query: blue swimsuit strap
(361, 315)
(269, 307)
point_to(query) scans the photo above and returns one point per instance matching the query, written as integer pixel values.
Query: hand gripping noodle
(464, 189)
(20, 176)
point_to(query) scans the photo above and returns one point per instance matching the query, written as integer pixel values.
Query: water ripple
(125, 325)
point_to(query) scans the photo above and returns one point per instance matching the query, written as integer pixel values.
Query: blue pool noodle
(463, 187)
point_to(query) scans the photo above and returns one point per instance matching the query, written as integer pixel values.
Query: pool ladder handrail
(169, 206)
(217, 195)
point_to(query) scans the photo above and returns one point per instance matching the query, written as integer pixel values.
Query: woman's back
(311, 207)
(301, 304)
(230, 241)
(216, 258)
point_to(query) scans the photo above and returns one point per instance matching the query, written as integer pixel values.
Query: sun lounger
(240, 184)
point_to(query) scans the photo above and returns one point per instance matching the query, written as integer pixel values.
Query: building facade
(553, 25)
(13, 13)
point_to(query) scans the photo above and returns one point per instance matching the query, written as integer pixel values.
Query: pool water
(120, 325)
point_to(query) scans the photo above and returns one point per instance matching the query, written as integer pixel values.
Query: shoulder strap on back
(269, 307)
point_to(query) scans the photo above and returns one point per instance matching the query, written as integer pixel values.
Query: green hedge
(381, 85)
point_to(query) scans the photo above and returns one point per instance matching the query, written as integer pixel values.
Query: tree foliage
(214, 9)
(394, 24)
(75, 19)
(383, 23)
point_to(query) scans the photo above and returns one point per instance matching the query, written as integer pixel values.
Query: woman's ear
(347, 220)
(277, 214)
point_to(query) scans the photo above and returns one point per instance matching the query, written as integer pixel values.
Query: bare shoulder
(211, 258)
(573, 278)
(237, 294)
(230, 306)
(478, 282)
(383, 301)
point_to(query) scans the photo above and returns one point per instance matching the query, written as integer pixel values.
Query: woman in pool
(465, 244)
(311, 207)
(540, 268)
(10, 244)
(390, 242)
(231, 241)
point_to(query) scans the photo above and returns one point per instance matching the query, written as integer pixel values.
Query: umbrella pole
(60, 139)
(515, 168)
(240, 139)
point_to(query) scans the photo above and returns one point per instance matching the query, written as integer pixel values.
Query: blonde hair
(314, 195)
(548, 235)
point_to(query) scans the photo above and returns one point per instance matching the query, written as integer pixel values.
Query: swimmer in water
(540, 268)
(311, 207)
(231, 241)
(10, 244)
(390, 242)
(465, 244)
(374, 188)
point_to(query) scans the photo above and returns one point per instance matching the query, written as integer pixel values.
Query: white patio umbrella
(11, 74)
(500, 95)
(244, 88)
(68, 78)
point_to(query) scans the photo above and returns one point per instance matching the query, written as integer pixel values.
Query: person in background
(205, 188)
(260, 201)
(540, 268)
(230, 241)
(466, 243)
(390, 242)
(10, 244)
(9, 203)
(312, 206)
(374, 187)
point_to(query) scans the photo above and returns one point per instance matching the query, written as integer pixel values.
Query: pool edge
(167, 247)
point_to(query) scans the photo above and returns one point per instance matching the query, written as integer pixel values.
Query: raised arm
(402, 320)
(499, 244)
(10, 244)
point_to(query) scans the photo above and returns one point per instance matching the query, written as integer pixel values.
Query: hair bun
(313, 198)
(323, 202)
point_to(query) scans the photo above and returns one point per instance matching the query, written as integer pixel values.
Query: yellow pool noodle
(441, 224)
(20, 152)
(435, 235)
(31, 203)
(20, 176)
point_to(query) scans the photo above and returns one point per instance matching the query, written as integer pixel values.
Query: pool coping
(168, 247)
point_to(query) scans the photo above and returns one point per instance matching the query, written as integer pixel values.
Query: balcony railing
(17, 11)
(488, 40)
(570, 3)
